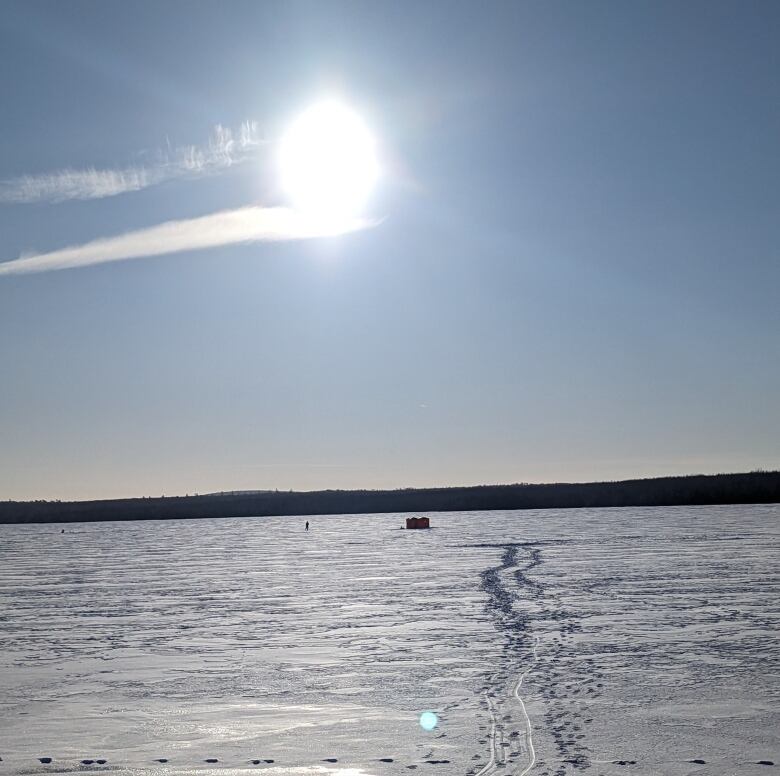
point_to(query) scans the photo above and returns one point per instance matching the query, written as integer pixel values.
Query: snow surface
(613, 641)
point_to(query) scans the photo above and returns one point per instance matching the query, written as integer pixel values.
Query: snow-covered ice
(614, 641)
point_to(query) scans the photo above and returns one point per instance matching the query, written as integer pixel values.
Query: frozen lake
(614, 641)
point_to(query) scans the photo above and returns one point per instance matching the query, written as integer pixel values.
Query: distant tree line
(758, 487)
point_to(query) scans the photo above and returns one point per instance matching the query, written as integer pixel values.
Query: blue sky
(570, 273)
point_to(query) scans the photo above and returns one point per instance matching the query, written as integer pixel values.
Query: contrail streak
(224, 149)
(228, 227)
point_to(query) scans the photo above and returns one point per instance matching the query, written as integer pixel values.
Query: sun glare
(328, 163)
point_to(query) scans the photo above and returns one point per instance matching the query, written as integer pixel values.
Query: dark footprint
(211, 760)
(385, 759)
(624, 762)
(87, 762)
(44, 760)
(101, 762)
(267, 761)
(436, 762)
(698, 762)
(411, 767)
(161, 760)
(255, 762)
(330, 760)
(765, 762)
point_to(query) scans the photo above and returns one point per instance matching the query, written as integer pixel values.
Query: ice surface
(617, 641)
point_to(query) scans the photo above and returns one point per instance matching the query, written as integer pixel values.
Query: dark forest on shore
(750, 488)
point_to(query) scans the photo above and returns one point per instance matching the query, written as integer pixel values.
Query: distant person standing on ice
(307, 525)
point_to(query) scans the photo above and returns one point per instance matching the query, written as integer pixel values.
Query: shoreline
(689, 490)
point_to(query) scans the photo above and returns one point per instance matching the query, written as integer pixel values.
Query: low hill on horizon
(759, 487)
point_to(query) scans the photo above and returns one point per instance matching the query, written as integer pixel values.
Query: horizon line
(283, 491)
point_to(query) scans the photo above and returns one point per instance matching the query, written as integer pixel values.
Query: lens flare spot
(428, 720)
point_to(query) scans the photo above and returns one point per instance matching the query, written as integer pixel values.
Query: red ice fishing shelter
(418, 522)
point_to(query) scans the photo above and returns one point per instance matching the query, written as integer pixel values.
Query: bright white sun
(328, 163)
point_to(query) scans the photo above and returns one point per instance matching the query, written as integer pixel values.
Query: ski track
(495, 753)
(531, 752)
(490, 766)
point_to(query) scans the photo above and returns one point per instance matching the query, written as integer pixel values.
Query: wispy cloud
(228, 227)
(225, 148)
